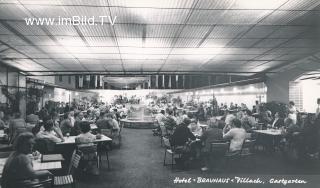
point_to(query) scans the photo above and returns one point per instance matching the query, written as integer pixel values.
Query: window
(69, 79)
(60, 78)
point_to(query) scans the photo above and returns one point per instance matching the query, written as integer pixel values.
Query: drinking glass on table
(67, 135)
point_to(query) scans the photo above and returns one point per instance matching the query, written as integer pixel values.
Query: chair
(69, 178)
(89, 152)
(163, 133)
(44, 146)
(247, 148)
(103, 147)
(169, 150)
(47, 183)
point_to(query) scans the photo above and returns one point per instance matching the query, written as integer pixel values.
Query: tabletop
(72, 140)
(273, 132)
(93, 126)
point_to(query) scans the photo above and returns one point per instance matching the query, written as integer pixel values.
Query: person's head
(186, 122)
(162, 112)
(71, 114)
(170, 112)
(24, 143)
(85, 126)
(97, 113)
(291, 103)
(193, 120)
(236, 123)
(109, 116)
(80, 115)
(48, 125)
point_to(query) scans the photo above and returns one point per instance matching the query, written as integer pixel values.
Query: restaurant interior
(145, 93)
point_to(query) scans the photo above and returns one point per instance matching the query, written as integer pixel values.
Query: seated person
(290, 128)
(195, 128)
(85, 139)
(48, 132)
(66, 124)
(161, 118)
(106, 122)
(182, 134)
(278, 120)
(85, 136)
(212, 134)
(18, 166)
(236, 134)
(247, 120)
(179, 141)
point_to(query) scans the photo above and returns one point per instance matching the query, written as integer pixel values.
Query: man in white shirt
(236, 134)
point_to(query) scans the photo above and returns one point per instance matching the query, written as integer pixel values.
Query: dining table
(269, 135)
(69, 140)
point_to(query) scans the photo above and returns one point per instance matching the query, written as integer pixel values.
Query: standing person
(19, 166)
(292, 112)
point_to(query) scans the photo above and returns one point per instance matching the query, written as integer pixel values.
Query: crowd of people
(234, 124)
(24, 133)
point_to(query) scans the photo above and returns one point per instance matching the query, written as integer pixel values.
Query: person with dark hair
(66, 124)
(182, 134)
(247, 120)
(236, 134)
(278, 120)
(75, 130)
(48, 132)
(85, 136)
(18, 166)
(180, 141)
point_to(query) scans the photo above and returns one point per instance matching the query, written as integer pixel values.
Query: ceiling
(160, 36)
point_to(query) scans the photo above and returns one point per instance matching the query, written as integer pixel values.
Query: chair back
(74, 163)
(219, 148)
(163, 130)
(106, 132)
(44, 146)
(247, 147)
(166, 142)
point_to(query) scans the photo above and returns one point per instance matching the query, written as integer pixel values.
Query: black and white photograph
(160, 93)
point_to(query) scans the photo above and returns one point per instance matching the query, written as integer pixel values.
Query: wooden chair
(170, 151)
(89, 152)
(163, 134)
(247, 148)
(47, 183)
(69, 178)
(103, 147)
